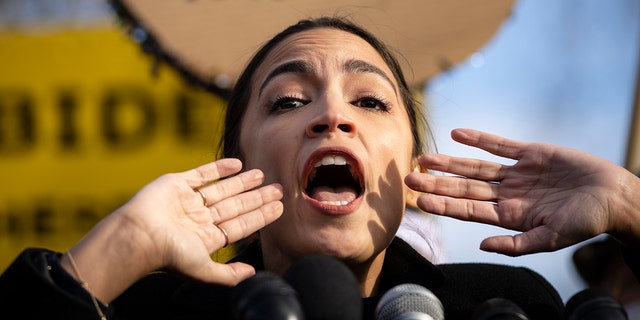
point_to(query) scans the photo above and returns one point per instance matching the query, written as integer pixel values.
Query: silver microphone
(409, 302)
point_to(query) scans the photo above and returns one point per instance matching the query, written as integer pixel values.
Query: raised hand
(175, 223)
(556, 196)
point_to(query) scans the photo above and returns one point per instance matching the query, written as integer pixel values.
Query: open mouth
(334, 181)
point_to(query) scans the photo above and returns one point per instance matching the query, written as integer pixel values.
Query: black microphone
(265, 296)
(327, 289)
(409, 302)
(592, 304)
(499, 309)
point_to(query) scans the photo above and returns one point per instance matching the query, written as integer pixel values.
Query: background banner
(85, 121)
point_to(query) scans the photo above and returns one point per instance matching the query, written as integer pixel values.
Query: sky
(561, 72)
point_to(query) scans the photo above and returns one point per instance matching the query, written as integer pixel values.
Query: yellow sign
(83, 125)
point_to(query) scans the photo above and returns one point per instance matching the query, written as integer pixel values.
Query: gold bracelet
(85, 285)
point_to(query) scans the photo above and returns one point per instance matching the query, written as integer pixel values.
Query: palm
(175, 219)
(543, 194)
(180, 231)
(542, 199)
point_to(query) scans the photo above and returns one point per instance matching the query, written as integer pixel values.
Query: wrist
(110, 258)
(625, 211)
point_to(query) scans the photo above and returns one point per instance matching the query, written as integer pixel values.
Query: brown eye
(372, 103)
(286, 103)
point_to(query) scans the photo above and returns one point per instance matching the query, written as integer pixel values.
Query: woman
(321, 134)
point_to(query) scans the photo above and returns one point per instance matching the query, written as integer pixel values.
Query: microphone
(499, 309)
(265, 296)
(327, 289)
(592, 304)
(409, 302)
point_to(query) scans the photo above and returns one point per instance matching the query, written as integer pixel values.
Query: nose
(331, 116)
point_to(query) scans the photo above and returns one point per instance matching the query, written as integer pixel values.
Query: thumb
(531, 241)
(226, 274)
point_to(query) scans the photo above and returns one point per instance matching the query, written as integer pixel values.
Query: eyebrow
(296, 66)
(359, 66)
(303, 67)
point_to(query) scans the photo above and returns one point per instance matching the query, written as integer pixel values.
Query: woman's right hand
(167, 226)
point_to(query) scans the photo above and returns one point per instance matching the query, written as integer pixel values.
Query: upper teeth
(331, 160)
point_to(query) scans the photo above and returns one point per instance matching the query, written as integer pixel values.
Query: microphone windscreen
(592, 304)
(327, 289)
(409, 301)
(265, 296)
(499, 309)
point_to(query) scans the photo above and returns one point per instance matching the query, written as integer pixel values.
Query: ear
(412, 195)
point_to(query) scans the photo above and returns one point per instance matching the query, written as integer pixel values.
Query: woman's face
(326, 121)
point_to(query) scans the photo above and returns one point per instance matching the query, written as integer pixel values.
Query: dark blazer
(35, 287)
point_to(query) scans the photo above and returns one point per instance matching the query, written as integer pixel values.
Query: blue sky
(562, 72)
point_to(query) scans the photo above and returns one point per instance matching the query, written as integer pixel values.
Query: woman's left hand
(556, 196)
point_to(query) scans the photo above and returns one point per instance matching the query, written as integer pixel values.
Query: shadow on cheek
(388, 203)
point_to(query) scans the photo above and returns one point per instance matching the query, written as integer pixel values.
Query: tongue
(323, 193)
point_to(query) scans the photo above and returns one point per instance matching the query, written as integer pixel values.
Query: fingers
(472, 168)
(449, 186)
(230, 207)
(232, 230)
(237, 209)
(222, 189)
(245, 202)
(461, 209)
(248, 223)
(212, 171)
(493, 144)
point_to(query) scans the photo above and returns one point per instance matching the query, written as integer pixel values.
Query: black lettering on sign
(43, 220)
(68, 107)
(185, 115)
(128, 118)
(54, 217)
(17, 122)
(199, 118)
(13, 224)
